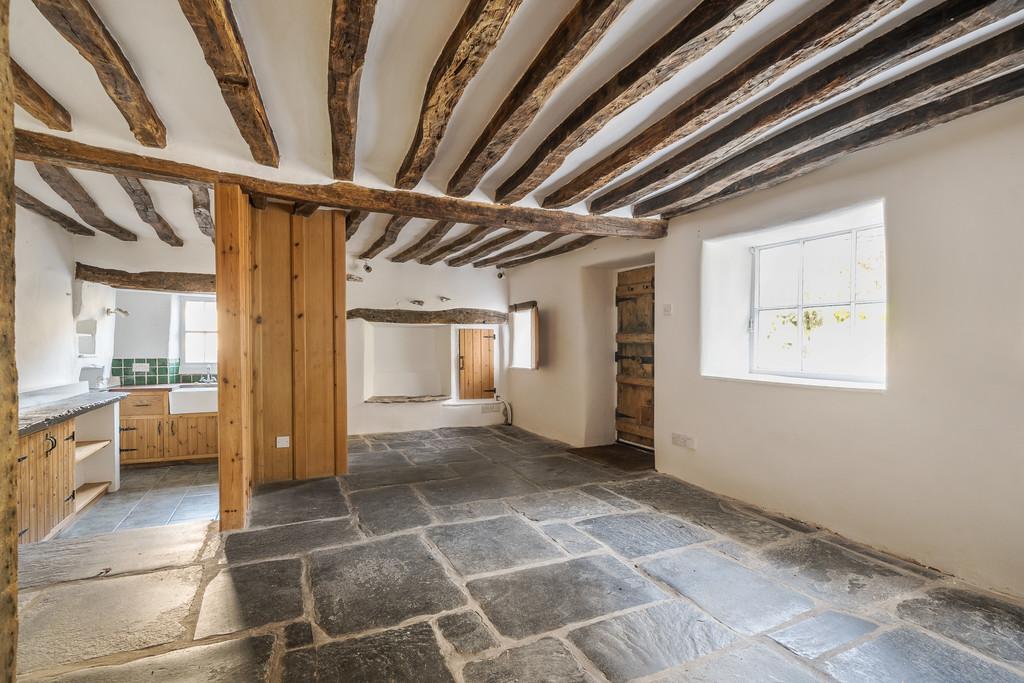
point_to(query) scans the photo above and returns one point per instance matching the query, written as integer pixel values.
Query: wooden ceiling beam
(478, 31)
(946, 22)
(27, 201)
(158, 281)
(33, 146)
(456, 245)
(581, 29)
(305, 209)
(823, 30)
(71, 191)
(961, 70)
(213, 22)
(144, 206)
(572, 245)
(525, 250)
(391, 232)
(489, 247)
(201, 209)
(978, 98)
(351, 21)
(429, 240)
(34, 99)
(352, 222)
(707, 25)
(79, 24)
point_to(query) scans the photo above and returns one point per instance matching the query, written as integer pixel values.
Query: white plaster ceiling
(287, 44)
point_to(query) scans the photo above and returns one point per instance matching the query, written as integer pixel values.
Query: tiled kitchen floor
(152, 496)
(492, 555)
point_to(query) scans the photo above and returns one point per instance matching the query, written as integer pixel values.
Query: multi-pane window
(819, 307)
(199, 323)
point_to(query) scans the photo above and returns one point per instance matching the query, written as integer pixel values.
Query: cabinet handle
(158, 426)
(129, 429)
(172, 429)
(143, 405)
(71, 497)
(53, 443)
(23, 458)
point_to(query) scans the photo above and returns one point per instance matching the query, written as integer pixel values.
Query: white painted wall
(91, 302)
(146, 332)
(44, 322)
(410, 360)
(932, 467)
(392, 285)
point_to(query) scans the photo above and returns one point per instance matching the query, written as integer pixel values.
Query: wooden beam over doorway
(154, 280)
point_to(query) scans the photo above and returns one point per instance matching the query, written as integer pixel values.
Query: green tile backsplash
(161, 371)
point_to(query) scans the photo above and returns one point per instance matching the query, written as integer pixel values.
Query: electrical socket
(684, 441)
(491, 408)
(284, 441)
(140, 367)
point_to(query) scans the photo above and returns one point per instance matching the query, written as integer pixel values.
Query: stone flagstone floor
(491, 555)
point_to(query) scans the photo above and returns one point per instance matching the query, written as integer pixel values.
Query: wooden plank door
(476, 364)
(634, 412)
(142, 439)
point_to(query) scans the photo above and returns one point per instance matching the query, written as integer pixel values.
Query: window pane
(828, 340)
(871, 265)
(194, 347)
(827, 269)
(778, 271)
(210, 348)
(869, 341)
(200, 316)
(522, 339)
(778, 341)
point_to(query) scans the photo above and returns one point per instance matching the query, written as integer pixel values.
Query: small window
(819, 307)
(524, 321)
(199, 331)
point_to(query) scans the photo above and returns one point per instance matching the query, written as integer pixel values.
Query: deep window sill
(782, 380)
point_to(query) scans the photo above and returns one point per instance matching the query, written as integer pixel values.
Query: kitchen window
(199, 331)
(819, 307)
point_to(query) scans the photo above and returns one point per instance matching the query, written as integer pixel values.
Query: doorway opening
(634, 357)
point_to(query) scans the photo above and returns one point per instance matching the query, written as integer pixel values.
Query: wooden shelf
(83, 449)
(87, 493)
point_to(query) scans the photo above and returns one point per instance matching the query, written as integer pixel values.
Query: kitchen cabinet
(45, 467)
(149, 433)
(190, 436)
(142, 439)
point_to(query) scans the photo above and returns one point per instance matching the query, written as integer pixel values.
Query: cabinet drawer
(144, 404)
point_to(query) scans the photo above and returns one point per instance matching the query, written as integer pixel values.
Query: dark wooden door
(476, 364)
(634, 412)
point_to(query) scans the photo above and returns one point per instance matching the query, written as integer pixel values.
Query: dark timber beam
(572, 40)
(572, 245)
(478, 31)
(305, 209)
(352, 222)
(154, 280)
(821, 31)
(707, 25)
(489, 247)
(71, 191)
(525, 250)
(34, 99)
(9, 451)
(78, 22)
(27, 201)
(147, 211)
(978, 98)
(450, 316)
(391, 232)
(351, 21)
(214, 25)
(456, 245)
(40, 147)
(201, 209)
(961, 70)
(938, 26)
(425, 243)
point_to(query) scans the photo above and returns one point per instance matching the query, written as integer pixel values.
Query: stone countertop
(41, 416)
(162, 387)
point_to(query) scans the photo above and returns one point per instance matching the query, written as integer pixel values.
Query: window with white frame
(819, 307)
(525, 323)
(199, 331)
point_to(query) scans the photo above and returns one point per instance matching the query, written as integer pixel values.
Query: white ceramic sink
(193, 400)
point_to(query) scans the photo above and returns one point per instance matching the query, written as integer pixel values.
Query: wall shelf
(87, 493)
(83, 449)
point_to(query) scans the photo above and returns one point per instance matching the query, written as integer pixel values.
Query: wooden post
(8, 372)
(340, 359)
(234, 353)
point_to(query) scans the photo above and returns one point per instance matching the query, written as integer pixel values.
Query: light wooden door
(190, 436)
(142, 439)
(476, 364)
(634, 412)
(28, 514)
(64, 471)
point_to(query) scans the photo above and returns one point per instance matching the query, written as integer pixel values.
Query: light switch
(284, 441)
(666, 309)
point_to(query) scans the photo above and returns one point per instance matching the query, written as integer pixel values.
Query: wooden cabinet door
(191, 436)
(46, 511)
(26, 489)
(64, 471)
(142, 438)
